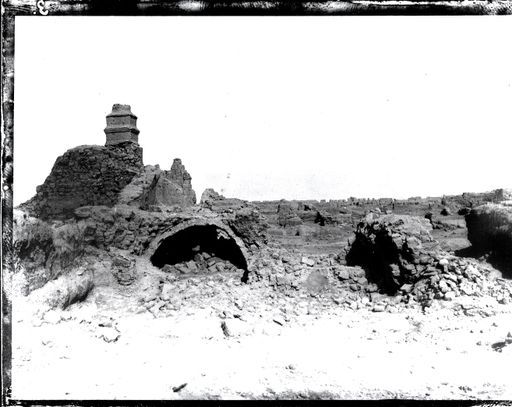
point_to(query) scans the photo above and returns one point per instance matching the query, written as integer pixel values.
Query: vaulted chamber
(196, 240)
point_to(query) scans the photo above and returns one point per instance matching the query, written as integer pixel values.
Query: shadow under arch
(182, 242)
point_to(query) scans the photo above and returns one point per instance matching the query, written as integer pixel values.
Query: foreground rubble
(288, 328)
(226, 339)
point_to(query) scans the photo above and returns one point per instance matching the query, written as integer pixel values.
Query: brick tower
(121, 126)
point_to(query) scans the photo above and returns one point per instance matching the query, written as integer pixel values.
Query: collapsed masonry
(394, 249)
(100, 203)
(98, 175)
(99, 199)
(399, 254)
(172, 187)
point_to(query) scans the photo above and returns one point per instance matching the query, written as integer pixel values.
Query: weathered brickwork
(86, 175)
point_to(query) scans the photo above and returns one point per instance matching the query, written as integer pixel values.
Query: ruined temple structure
(104, 198)
(98, 175)
(102, 204)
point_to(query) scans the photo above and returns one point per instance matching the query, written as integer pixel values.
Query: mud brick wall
(86, 175)
(170, 188)
(129, 228)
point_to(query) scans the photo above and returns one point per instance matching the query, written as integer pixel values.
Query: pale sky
(264, 108)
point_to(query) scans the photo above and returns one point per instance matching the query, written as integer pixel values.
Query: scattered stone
(123, 269)
(105, 322)
(225, 329)
(449, 296)
(168, 268)
(307, 261)
(109, 334)
(378, 308)
(316, 282)
(443, 286)
(498, 346)
(166, 292)
(176, 389)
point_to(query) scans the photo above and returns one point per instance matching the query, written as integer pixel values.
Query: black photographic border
(13, 8)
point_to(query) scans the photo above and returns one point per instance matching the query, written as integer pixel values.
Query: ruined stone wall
(469, 199)
(180, 176)
(128, 228)
(287, 214)
(170, 188)
(86, 175)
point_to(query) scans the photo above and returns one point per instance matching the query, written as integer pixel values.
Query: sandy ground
(271, 347)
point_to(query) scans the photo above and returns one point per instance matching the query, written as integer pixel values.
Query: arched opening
(379, 258)
(202, 247)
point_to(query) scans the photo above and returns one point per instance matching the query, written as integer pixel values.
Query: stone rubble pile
(454, 277)
(401, 257)
(202, 263)
(171, 293)
(446, 278)
(283, 270)
(123, 269)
